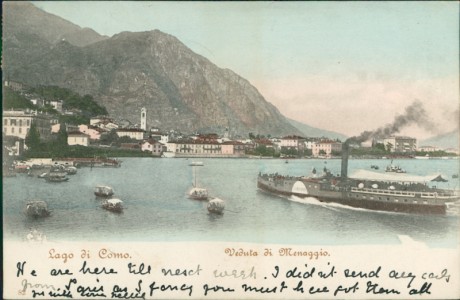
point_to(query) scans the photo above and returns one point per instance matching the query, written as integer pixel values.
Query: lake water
(154, 192)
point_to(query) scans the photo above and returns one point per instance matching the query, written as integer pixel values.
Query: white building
(153, 146)
(325, 148)
(310, 142)
(77, 138)
(293, 142)
(57, 105)
(38, 102)
(134, 133)
(161, 137)
(400, 144)
(171, 146)
(428, 149)
(17, 123)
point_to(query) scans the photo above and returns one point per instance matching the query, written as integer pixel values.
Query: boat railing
(439, 195)
(383, 192)
(276, 177)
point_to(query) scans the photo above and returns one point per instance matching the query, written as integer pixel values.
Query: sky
(341, 66)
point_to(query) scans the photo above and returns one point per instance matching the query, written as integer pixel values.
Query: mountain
(444, 141)
(25, 18)
(309, 131)
(179, 88)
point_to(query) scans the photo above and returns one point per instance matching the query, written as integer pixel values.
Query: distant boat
(57, 173)
(196, 163)
(56, 177)
(216, 206)
(375, 167)
(198, 194)
(115, 205)
(70, 170)
(35, 236)
(43, 175)
(37, 209)
(395, 169)
(455, 176)
(103, 191)
(427, 156)
(168, 154)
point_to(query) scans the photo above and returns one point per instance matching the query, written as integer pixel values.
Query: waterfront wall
(201, 155)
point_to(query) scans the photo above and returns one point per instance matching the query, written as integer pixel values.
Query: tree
(336, 153)
(290, 151)
(109, 138)
(389, 146)
(380, 146)
(264, 151)
(62, 135)
(33, 137)
(14, 100)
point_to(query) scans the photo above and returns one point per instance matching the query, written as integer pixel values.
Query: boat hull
(113, 209)
(391, 201)
(198, 197)
(51, 179)
(216, 206)
(216, 211)
(37, 209)
(103, 195)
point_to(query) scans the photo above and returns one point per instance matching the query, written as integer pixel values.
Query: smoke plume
(413, 114)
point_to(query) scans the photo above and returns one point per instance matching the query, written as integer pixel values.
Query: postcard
(230, 150)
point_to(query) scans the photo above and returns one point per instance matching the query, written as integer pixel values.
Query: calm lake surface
(154, 192)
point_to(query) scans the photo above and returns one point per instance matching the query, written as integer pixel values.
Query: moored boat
(196, 163)
(43, 175)
(115, 205)
(395, 169)
(216, 206)
(394, 192)
(101, 162)
(35, 236)
(103, 191)
(70, 170)
(56, 177)
(57, 173)
(37, 209)
(198, 193)
(168, 154)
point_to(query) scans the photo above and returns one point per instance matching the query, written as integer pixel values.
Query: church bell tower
(143, 118)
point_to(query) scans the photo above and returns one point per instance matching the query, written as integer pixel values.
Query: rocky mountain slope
(180, 89)
(25, 18)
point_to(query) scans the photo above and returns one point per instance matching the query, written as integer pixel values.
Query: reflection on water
(154, 192)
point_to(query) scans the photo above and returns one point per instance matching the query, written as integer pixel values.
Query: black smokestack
(344, 169)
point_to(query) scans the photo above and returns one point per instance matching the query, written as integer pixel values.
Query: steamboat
(395, 192)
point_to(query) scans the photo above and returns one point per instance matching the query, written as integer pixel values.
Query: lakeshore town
(136, 138)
